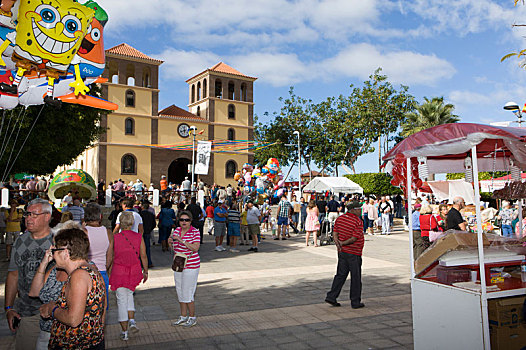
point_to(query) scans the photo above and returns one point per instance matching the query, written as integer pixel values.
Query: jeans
(507, 231)
(147, 238)
(347, 263)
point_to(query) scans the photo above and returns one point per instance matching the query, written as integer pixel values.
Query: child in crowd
(244, 227)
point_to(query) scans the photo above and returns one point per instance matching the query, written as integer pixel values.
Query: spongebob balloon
(48, 38)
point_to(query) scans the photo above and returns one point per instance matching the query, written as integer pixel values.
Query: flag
(204, 149)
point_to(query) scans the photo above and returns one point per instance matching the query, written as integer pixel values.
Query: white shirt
(137, 220)
(253, 215)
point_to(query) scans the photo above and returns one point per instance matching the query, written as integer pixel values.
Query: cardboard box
(508, 338)
(449, 242)
(506, 312)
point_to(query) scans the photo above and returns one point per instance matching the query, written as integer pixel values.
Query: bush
(375, 183)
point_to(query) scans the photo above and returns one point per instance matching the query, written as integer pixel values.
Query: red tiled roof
(223, 68)
(175, 112)
(128, 51)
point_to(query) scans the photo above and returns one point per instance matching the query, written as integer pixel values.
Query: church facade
(143, 142)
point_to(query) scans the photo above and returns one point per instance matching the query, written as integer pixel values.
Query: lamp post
(297, 133)
(193, 129)
(512, 106)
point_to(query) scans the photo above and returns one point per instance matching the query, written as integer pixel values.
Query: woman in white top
(100, 241)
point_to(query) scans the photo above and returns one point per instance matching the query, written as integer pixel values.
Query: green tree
(57, 138)
(339, 129)
(428, 114)
(483, 175)
(375, 183)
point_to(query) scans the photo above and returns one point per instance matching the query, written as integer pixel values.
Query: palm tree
(428, 114)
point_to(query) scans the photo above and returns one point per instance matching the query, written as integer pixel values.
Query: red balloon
(419, 183)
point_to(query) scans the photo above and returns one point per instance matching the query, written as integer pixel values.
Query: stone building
(143, 142)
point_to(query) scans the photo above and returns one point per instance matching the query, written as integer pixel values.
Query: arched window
(198, 91)
(131, 81)
(193, 93)
(130, 98)
(198, 111)
(218, 89)
(130, 75)
(231, 94)
(244, 92)
(205, 89)
(231, 135)
(231, 111)
(128, 164)
(129, 126)
(146, 77)
(115, 79)
(230, 169)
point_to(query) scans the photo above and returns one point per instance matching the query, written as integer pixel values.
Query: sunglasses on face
(53, 250)
(185, 220)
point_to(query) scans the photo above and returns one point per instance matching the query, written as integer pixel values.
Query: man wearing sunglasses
(28, 250)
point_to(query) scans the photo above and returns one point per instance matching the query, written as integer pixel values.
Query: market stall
(446, 313)
(335, 185)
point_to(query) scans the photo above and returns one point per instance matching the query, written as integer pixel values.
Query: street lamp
(193, 129)
(512, 106)
(307, 159)
(297, 133)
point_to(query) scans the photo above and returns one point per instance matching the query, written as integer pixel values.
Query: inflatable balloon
(237, 176)
(48, 37)
(87, 64)
(6, 16)
(248, 167)
(280, 192)
(248, 178)
(281, 183)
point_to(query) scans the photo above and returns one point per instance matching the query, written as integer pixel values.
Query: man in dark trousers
(148, 224)
(348, 236)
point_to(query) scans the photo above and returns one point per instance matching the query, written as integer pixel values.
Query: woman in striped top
(185, 239)
(233, 226)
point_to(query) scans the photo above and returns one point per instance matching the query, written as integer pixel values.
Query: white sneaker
(181, 321)
(132, 326)
(192, 321)
(218, 249)
(222, 248)
(124, 336)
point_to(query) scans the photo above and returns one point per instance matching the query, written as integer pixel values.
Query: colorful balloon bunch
(264, 181)
(50, 51)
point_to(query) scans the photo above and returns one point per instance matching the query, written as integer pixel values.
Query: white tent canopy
(333, 184)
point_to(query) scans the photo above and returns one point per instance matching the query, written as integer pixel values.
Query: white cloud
(404, 67)
(283, 69)
(179, 64)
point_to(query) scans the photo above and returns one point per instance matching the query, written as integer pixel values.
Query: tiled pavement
(272, 299)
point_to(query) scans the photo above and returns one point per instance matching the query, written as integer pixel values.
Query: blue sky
(436, 47)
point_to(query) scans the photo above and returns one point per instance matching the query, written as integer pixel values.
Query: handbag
(179, 262)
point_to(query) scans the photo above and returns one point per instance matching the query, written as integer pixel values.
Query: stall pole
(480, 243)
(519, 234)
(410, 217)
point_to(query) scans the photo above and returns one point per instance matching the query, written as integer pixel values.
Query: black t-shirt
(453, 219)
(196, 211)
(321, 206)
(148, 221)
(333, 206)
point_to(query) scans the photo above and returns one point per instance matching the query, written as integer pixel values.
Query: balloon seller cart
(467, 291)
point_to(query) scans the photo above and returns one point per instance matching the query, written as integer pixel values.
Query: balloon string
(25, 140)
(3, 119)
(6, 144)
(14, 143)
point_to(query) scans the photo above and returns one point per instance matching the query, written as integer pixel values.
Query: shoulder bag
(179, 262)
(433, 235)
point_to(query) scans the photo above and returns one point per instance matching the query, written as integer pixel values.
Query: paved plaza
(272, 299)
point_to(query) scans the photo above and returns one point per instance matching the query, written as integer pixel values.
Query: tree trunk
(379, 154)
(353, 169)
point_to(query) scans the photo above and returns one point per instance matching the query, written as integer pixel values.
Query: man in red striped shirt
(348, 236)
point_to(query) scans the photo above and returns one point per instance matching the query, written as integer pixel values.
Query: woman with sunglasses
(78, 315)
(185, 239)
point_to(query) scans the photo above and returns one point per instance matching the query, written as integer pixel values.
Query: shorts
(253, 229)
(234, 229)
(219, 229)
(244, 230)
(10, 237)
(282, 221)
